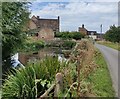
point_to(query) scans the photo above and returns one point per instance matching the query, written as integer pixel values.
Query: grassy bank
(94, 74)
(81, 76)
(100, 78)
(110, 44)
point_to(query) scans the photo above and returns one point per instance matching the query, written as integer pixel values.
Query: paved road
(111, 57)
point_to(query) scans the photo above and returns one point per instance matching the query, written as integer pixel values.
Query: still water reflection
(33, 56)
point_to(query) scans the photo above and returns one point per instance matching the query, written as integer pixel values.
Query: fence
(58, 86)
(80, 57)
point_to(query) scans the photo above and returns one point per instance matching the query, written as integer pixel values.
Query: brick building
(45, 28)
(84, 31)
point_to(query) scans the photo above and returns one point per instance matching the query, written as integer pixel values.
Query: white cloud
(73, 14)
(75, 0)
(106, 0)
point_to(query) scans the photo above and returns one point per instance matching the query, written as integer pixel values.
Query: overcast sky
(75, 13)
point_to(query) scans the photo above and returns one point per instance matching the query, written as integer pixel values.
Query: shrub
(33, 80)
(62, 44)
(113, 34)
(33, 46)
(70, 35)
(69, 44)
(77, 36)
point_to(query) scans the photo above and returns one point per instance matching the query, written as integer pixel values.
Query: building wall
(49, 23)
(83, 31)
(32, 25)
(46, 33)
(46, 27)
(94, 37)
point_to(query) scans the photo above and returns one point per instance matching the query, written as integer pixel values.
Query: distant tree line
(113, 34)
(70, 35)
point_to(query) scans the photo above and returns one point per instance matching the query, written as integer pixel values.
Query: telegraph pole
(101, 30)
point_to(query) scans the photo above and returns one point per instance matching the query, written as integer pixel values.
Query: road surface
(111, 57)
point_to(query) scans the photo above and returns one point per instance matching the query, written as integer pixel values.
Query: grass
(33, 80)
(110, 44)
(100, 78)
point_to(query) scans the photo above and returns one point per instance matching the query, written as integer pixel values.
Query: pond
(25, 57)
(60, 48)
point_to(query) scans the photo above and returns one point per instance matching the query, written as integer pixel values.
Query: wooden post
(47, 92)
(59, 85)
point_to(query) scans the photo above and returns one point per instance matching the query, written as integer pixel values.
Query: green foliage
(100, 79)
(62, 44)
(77, 36)
(32, 81)
(69, 44)
(70, 35)
(33, 46)
(110, 44)
(113, 34)
(14, 18)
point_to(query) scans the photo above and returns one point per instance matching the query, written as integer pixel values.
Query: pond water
(38, 55)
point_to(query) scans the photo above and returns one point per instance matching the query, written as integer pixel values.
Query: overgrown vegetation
(14, 18)
(70, 35)
(35, 45)
(113, 34)
(94, 74)
(112, 37)
(101, 83)
(32, 81)
(110, 44)
(63, 44)
(69, 44)
(85, 75)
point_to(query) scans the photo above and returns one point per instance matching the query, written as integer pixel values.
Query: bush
(113, 34)
(70, 35)
(33, 46)
(33, 80)
(77, 36)
(61, 44)
(69, 44)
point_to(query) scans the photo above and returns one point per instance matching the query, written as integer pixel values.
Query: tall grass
(100, 79)
(83, 72)
(110, 44)
(32, 81)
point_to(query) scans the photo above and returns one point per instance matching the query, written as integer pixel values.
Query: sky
(91, 13)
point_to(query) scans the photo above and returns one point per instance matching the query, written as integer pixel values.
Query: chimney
(82, 25)
(38, 17)
(58, 17)
(58, 23)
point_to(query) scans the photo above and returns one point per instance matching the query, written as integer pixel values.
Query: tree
(77, 35)
(113, 34)
(14, 18)
(70, 35)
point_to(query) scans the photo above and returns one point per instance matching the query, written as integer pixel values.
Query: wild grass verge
(100, 79)
(110, 44)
